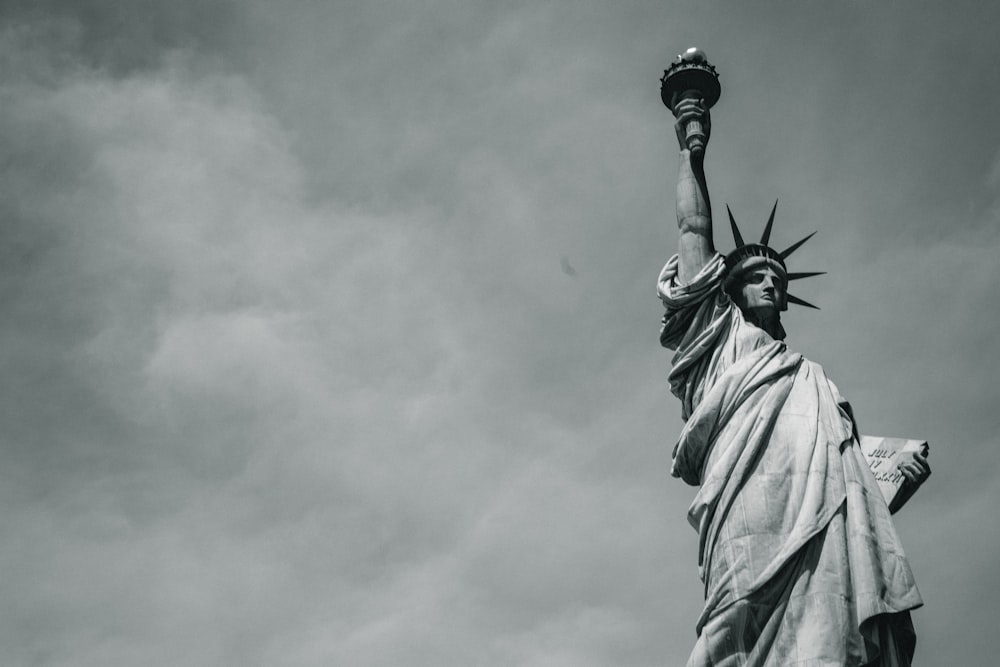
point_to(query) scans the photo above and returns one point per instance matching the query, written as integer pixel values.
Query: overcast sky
(330, 336)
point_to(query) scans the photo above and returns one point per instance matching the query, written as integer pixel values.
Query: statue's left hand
(915, 468)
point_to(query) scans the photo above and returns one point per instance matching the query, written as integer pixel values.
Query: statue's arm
(694, 209)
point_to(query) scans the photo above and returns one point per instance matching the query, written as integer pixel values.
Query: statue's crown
(751, 255)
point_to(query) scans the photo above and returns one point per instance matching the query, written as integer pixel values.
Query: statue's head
(756, 278)
(759, 285)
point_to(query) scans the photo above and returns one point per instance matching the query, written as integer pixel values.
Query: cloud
(122, 39)
(197, 353)
(250, 425)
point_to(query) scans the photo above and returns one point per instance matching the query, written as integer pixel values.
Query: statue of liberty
(799, 556)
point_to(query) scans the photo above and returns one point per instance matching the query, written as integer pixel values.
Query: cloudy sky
(329, 329)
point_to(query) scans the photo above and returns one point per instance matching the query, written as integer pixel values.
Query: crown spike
(796, 300)
(795, 246)
(770, 221)
(805, 274)
(737, 237)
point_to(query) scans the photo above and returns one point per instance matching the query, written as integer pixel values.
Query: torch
(690, 76)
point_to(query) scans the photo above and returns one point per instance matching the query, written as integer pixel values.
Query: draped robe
(799, 556)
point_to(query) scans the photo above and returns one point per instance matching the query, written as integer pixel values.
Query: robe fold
(800, 560)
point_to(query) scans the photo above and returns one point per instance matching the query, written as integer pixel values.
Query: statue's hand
(686, 110)
(915, 468)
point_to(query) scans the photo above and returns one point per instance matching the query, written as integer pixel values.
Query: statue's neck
(766, 319)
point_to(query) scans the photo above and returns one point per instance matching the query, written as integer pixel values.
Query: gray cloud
(126, 38)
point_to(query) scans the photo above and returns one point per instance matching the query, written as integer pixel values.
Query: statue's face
(763, 291)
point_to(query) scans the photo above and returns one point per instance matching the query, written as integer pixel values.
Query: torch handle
(694, 133)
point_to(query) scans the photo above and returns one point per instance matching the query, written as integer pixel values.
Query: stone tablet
(883, 455)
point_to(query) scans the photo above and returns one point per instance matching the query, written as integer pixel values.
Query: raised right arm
(694, 210)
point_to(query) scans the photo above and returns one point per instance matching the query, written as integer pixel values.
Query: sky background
(330, 335)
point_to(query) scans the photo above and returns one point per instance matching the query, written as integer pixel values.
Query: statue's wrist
(696, 160)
